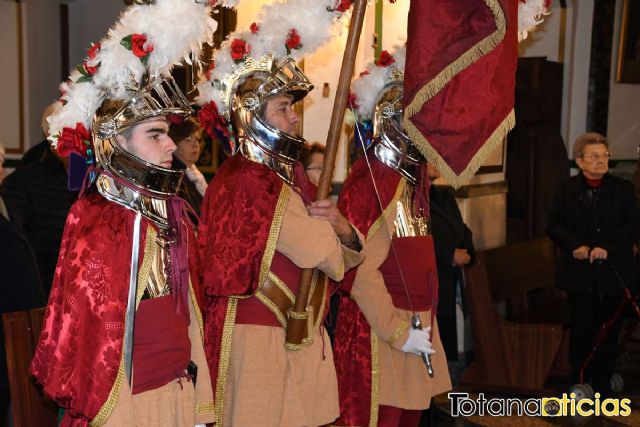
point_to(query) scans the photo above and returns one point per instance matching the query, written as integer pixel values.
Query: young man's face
(150, 142)
(279, 114)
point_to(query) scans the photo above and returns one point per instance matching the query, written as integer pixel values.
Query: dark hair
(309, 151)
(184, 129)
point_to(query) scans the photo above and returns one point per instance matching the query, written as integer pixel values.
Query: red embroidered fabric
(352, 342)
(78, 355)
(237, 213)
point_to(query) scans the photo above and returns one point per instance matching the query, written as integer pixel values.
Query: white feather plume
(368, 86)
(175, 28)
(313, 20)
(530, 13)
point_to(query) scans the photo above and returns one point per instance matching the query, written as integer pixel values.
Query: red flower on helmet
(239, 50)
(385, 59)
(254, 28)
(137, 43)
(293, 40)
(212, 122)
(73, 140)
(93, 52)
(212, 67)
(352, 101)
(343, 5)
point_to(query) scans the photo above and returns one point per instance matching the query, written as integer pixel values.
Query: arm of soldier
(370, 293)
(312, 243)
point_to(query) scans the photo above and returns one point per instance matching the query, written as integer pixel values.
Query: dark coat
(612, 223)
(38, 201)
(20, 287)
(449, 233)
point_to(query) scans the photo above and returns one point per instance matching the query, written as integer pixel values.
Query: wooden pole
(296, 326)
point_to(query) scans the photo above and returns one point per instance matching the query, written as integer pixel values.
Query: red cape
(235, 240)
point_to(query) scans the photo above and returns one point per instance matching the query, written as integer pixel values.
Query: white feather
(530, 15)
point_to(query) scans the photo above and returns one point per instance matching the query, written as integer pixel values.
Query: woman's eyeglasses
(597, 156)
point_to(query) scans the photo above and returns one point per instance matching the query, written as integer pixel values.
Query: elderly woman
(595, 221)
(187, 136)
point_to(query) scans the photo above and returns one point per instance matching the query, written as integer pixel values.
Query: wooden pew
(517, 348)
(29, 406)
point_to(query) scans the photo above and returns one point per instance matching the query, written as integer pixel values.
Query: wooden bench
(517, 346)
(28, 405)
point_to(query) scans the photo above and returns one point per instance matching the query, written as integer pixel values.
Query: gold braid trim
(143, 276)
(388, 210)
(404, 325)
(204, 408)
(375, 380)
(196, 308)
(433, 87)
(282, 286)
(274, 233)
(272, 307)
(225, 354)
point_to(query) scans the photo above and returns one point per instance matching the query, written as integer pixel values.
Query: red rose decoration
(212, 67)
(212, 122)
(254, 28)
(385, 59)
(343, 5)
(74, 140)
(239, 50)
(212, 3)
(293, 40)
(136, 44)
(93, 52)
(352, 101)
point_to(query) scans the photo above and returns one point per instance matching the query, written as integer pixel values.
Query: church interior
(578, 72)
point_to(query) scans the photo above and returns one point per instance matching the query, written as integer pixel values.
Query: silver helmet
(255, 83)
(392, 146)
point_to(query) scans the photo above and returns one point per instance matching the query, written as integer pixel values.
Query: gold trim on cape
(225, 355)
(433, 87)
(375, 380)
(387, 211)
(143, 276)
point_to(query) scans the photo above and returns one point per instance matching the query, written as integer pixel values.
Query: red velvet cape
(237, 213)
(459, 84)
(352, 343)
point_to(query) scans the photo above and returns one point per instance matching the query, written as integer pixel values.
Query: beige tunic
(268, 385)
(403, 378)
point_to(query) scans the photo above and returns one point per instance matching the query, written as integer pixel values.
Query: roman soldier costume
(256, 234)
(122, 340)
(385, 196)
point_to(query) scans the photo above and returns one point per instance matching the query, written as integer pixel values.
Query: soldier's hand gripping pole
(297, 323)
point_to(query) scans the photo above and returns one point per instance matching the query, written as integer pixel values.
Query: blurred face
(279, 114)
(150, 142)
(314, 168)
(594, 161)
(189, 149)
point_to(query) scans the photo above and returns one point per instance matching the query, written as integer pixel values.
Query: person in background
(312, 160)
(37, 198)
(594, 220)
(454, 251)
(188, 138)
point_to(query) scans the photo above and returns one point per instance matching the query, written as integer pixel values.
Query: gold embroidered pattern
(272, 307)
(404, 325)
(375, 380)
(204, 408)
(388, 211)
(225, 354)
(433, 87)
(274, 233)
(143, 275)
(282, 286)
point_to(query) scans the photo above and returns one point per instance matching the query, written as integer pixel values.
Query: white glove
(419, 341)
